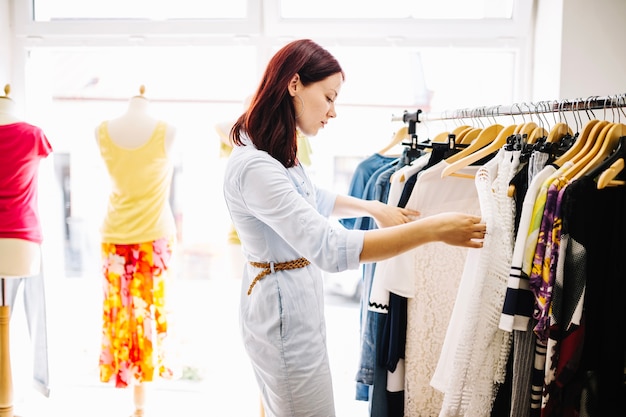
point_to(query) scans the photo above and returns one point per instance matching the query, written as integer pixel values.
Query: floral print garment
(134, 324)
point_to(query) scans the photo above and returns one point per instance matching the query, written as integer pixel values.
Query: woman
(287, 239)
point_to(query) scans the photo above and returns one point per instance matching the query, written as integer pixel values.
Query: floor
(213, 375)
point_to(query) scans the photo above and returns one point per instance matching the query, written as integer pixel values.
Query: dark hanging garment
(590, 374)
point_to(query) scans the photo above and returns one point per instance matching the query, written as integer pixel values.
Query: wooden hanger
(495, 145)
(578, 145)
(609, 168)
(527, 128)
(441, 137)
(470, 136)
(537, 133)
(400, 135)
(605, 145)
(558, 131)
(589, 150)
(484, 138)
(462, 133)
(607, 177)
(457, 130)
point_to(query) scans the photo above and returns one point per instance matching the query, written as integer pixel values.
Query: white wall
(579, 49)
(5, 44)
(593, 58)
(547, 50)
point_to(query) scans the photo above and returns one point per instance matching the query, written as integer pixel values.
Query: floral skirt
(134, 322)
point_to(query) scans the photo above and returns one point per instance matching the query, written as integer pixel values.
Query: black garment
(392, 348)
(520, 183)
(597, 220)
(394, 333)
(438, 153)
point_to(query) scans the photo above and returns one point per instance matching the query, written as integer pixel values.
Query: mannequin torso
(7, 111)
(135, 127)
(19, 258)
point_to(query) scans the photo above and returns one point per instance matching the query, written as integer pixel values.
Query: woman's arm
(385, 215)
(399, 231)
(458, 229)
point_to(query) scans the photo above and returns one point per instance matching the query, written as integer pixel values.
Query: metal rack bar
(556, 106)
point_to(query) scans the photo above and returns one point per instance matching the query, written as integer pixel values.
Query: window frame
(266, 30)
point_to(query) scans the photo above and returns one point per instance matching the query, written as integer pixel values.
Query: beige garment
(436, 270)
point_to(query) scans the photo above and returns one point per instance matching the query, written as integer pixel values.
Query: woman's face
(318, 103)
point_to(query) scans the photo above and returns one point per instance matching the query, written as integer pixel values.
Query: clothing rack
(522, 109)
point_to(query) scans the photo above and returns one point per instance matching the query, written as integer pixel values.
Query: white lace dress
(475, 351)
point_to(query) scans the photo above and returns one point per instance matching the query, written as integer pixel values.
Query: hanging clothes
(536, 324)
(428, 278)
(365, 184)
(362, 174)
(390, 311)
(478, 350)
(371, 180)
(590, 371)
(518, 302)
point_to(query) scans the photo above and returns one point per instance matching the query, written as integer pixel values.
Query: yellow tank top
(138, 209)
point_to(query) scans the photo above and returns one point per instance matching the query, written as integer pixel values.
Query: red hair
(270, 120)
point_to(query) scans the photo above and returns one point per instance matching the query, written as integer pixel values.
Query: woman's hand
(386, 215)
(459, 229)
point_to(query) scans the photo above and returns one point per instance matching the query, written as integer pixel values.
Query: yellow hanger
(589, 149)
(484, 138)
(400, 135)
(441, 137)
(457, 130)
(493, 146)
(468, 137)
(607, 177)
(462, 133)
(578, 145)
(527, 129)
(537, 133)
(558, 132)
(605, 145)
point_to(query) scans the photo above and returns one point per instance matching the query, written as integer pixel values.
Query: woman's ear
(294, 85)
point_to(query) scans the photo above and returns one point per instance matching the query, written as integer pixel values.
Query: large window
(46, 10)
(397, 9)
(77, 63)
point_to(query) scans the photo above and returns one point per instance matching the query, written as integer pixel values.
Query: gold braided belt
(270, 267)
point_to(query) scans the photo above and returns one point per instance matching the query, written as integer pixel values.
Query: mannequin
(22, 146)
(133, 128)
(136, 149)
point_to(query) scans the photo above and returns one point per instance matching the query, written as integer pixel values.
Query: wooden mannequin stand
(6, 380)
(18, 259)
